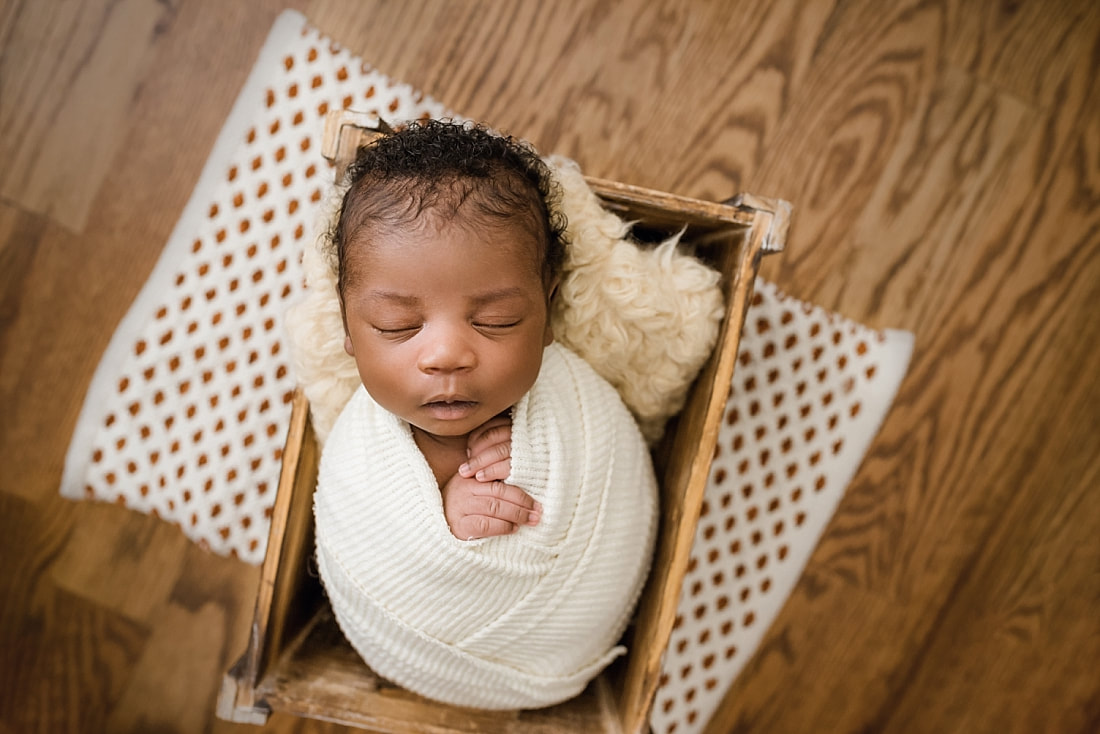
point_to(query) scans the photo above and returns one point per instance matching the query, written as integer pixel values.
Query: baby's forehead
(435, 229)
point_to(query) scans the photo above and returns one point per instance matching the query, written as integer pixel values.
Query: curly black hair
(450, 169)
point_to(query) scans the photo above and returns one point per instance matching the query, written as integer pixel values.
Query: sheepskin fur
(645, 318)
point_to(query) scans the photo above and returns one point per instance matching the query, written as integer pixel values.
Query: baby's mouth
(450, 409)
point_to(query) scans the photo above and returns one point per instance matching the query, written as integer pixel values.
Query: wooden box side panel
(288, 591)
(684, 481)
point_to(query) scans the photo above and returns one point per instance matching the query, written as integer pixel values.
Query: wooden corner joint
(345, 132)
(775, 239)
(237, 699)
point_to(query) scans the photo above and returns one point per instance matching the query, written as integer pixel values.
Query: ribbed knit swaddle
(516, 621)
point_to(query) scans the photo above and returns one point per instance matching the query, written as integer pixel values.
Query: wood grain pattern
(943, 158)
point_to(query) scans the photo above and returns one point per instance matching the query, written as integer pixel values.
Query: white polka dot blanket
(187, 412)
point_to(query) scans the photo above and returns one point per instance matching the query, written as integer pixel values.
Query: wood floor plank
(122, 561)
(68, 73)
(65, 659)
(978, 413)
(174, 685)
(1024, 48)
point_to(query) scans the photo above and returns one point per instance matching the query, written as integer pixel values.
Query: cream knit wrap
(517, 621)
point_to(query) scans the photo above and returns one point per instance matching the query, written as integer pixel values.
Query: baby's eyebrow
(393, 297)
(501, 294)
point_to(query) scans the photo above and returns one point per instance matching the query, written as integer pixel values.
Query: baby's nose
(447, 350)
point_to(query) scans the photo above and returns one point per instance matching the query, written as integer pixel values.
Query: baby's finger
(491, 455)
(493, 472)
(491, 433)
(508, 493)
(472, 527)
(494, 507)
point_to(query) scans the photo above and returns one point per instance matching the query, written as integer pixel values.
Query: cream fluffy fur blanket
(645, 318)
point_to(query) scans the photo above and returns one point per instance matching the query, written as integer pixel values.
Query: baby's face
(447, 322)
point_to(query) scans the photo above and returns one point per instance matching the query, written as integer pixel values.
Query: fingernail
(533, 518)
(464, 470)
(538, 507)
(481, 476)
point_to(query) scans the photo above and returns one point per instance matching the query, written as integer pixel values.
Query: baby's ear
(548, 336)
(348, 346)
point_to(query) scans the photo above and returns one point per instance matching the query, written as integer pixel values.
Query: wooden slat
(288, 594)
(684, 481)
(325, 678)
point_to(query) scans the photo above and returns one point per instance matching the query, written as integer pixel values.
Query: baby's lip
(450, 408)
(449, 398)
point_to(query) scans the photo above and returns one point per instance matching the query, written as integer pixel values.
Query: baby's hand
(477, 509)
(489, 449)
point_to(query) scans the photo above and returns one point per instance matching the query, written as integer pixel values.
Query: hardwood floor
(943, 158)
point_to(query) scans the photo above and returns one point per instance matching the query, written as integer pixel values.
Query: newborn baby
(486, 507)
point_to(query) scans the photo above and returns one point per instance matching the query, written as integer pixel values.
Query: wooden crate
(297, 659)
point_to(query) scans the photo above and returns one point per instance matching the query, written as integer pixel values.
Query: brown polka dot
(257, 162)
(304, 145)
(270, 101)
(292, 90)
(782, 552)
(819, 483)
(274, 128)
(854, 411)
(394, 105)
